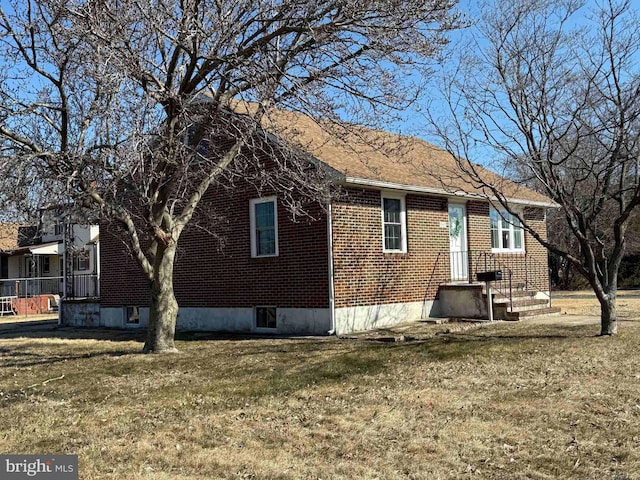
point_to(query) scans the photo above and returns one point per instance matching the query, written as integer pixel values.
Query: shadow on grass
(342, 368)
(50, 329)
(26, 355)
(256, 369)
(459, 345)
(443, 346)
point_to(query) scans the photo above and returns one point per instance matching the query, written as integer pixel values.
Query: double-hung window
(394, 224)
(81, 260)
(264, 227)
(506, 232)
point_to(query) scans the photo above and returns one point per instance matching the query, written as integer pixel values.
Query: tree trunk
(164, 307)
(608, 318)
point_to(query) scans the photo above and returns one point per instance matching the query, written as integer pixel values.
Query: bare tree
(134, 108)
(553, 87)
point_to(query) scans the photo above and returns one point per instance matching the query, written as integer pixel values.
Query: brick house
(407, 234)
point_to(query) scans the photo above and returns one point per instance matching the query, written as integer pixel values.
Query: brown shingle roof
(9, 236)
(380, 158)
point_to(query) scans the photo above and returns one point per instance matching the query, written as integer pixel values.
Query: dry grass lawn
(505, 401)
(585, 303)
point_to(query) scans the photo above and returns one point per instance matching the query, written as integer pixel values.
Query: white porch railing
(84, 286)
(29, 287)
(81, 286)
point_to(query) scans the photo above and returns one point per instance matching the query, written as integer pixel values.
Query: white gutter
(332, 300)
(441, 191)
(96, 262)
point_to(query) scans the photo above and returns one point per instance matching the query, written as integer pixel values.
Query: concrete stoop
(469, 300)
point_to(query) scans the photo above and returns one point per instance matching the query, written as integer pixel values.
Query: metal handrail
(505, 286)
(435, 273)
(520, 270)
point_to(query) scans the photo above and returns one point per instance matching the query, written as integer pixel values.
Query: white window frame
(82, 260)
(510, 248)
(403, 221)
(252, 216)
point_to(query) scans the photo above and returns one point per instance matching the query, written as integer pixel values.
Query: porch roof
(53, 248)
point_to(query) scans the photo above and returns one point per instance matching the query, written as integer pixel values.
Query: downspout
(96, 263)
(332, 301)
(64, 272)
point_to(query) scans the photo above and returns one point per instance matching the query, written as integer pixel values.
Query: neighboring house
(33, 262)
(403, 243)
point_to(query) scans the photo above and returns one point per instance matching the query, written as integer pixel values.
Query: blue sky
(414, 123)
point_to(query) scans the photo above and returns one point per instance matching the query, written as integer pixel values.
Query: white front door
(458, 241)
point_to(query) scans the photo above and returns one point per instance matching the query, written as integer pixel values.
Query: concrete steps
(540, 312)
(516, 294)
(526, 304)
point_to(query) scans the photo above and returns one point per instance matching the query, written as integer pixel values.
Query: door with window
(458, 241)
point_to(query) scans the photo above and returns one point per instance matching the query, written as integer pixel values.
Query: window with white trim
(506, 232)
(394, 224)
(264, 227)
(81, 260)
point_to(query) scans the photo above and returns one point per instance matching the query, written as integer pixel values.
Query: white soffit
(47, 249)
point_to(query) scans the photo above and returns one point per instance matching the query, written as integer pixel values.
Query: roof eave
(440, 192)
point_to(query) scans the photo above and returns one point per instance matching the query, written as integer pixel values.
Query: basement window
(266, 317)
(132, 315)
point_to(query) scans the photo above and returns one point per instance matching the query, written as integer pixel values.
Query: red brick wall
(121, 279)
(478, 228)
(538, 256)
(212, 272)
(363, 274)
(530, 267)
(32, 306)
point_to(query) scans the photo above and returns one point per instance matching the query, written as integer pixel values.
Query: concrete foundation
(462, 301)
(289, 321)
(79, 313)
(357, 319)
